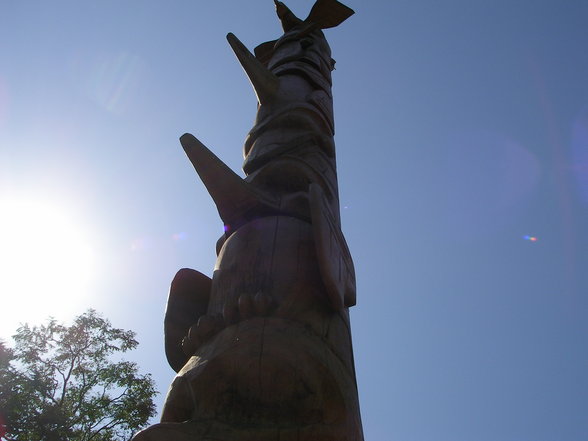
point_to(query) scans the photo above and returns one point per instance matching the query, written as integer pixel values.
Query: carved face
(308, 47)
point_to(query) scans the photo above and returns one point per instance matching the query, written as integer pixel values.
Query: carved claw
(248, 306)
(230, 314)
(190, 344)
(262, 304)
(206, 327)
(246, 309)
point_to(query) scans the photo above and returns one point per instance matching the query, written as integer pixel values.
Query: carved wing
(329, 13)
(335, 263)
(187, 301)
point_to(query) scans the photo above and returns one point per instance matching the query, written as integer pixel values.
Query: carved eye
(306, 42)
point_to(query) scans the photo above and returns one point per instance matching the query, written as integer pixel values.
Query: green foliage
(61, 383)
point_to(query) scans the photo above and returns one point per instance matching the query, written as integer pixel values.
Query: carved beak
(236, 200)
(265, 84)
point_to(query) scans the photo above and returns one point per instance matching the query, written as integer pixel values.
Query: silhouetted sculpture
(263, 350)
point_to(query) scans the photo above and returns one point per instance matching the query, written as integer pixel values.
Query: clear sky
(462, 142)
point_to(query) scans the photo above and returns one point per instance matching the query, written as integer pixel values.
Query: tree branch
(66, 380)
(107, 426)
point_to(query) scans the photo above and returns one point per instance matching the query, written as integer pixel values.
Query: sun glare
(46, 261)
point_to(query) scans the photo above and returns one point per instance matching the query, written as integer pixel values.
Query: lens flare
(3, 101)
(580, 152)
(484, 180)
(140, 244)
(112, 80)
(177, 237)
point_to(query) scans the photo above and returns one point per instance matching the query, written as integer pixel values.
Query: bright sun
(46, 261)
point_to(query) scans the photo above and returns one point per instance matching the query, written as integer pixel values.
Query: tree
(61, 383)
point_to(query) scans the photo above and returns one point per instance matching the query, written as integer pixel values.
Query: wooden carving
(263, 350)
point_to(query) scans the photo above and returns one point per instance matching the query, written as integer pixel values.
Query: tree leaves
(61, 383)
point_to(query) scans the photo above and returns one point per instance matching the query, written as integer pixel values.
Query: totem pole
(263, 350)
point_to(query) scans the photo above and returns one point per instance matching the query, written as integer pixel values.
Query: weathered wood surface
(263, 350)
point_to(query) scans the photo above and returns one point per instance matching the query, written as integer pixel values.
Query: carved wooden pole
(263, 350)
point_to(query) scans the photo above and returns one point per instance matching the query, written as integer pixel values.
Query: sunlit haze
(462, 158)
(46, 261)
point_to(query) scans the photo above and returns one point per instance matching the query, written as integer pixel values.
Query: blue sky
(462, 133)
